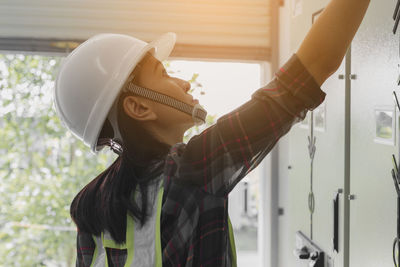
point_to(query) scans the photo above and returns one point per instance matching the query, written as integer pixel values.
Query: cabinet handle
(336, 221)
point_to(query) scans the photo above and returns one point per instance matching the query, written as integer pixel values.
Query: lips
(195, 101)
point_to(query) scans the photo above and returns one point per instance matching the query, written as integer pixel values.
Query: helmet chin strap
(197, 112)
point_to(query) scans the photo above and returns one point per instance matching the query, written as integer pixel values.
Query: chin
(189, 125)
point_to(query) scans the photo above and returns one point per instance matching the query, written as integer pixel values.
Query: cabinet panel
(373, 211)
(328, 171)
(328, 165)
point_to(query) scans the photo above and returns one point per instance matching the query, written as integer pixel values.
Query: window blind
(230, 29)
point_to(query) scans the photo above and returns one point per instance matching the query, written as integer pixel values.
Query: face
(150, 73)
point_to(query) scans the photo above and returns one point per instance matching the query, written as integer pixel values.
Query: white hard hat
(92, 76)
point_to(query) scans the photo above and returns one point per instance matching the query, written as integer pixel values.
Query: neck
(168, 135)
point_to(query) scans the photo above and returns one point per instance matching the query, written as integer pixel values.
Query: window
(225, 86)
(42, 166)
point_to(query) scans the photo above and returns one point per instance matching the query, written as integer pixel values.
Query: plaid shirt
(199, 175)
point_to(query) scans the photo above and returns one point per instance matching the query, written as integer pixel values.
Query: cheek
(168, 116)
(172, 88)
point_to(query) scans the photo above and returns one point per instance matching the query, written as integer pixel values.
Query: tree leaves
(42, 165)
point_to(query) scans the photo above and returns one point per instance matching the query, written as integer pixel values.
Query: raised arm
(326, 43)
(219, 157)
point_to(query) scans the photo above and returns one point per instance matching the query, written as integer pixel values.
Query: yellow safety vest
(143, 244)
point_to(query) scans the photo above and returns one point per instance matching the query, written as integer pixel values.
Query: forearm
(325, 45)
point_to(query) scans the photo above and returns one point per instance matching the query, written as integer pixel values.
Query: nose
(185, 85)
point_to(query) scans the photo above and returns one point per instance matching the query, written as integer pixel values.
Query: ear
(138, 109)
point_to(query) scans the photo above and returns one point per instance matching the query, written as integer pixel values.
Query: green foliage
(193, 81)
(42, 166)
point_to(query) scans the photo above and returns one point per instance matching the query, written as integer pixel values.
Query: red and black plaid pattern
(199, 175)
(85, 249)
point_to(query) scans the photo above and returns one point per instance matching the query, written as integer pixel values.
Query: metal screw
(352, 77)
(280, 211)
(352, 197)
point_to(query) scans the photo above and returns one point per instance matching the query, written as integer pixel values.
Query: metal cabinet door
(375, 59)
(328, 166)
(328, 171)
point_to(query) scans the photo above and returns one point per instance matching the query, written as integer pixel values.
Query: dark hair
(104, 203)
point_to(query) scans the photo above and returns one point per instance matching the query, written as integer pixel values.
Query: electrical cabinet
(352, 162)
(327, 172)
(375, 59)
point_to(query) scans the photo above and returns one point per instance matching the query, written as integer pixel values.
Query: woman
(163, 202)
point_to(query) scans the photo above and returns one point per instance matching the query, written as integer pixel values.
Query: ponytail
(104, 203)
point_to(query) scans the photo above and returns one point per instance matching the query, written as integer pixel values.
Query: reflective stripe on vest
(138, 252)
(232, 242)
(143, 244)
